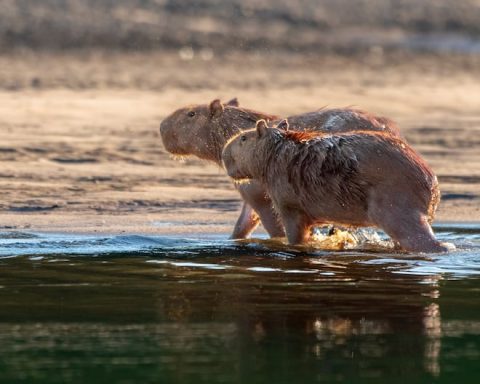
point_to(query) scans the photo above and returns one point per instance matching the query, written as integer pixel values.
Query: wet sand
(82, 153)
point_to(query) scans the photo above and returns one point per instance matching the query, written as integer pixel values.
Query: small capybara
(353, 178)
(202, 130)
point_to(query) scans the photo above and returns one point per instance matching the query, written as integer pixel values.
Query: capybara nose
(162, 127)
(169, 138)
(167, 133)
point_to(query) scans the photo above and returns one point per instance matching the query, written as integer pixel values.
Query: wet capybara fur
(202, 130)
(353, 179)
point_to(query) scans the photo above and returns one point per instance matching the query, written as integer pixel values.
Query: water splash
(326, 256)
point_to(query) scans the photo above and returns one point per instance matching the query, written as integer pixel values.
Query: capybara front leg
(270, 221)
(256, 196)
(246, 223)
(297, 227)
(414, 234)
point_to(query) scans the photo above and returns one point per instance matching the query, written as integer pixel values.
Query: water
(144, 309)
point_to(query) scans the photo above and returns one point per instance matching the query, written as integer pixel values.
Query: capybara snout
(239, 154)
(230, 158)
(203, 129)
(169, 138)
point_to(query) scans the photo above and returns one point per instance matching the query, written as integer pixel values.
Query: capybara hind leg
(297, 227)
(246, 223)
(413, 233)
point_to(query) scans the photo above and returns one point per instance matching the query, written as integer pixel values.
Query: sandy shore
(91, 159)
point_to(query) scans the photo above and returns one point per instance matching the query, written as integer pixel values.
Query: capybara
(354, 179)
(202, 130)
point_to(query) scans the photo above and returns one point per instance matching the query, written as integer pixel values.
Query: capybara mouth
(242, 180)
(179, 157)
(175, 151)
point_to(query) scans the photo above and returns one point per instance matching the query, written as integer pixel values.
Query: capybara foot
(414, 234)
(296, 227)
(449, 246)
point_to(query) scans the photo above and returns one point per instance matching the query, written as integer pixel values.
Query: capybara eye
(243, 138)
(191, 113)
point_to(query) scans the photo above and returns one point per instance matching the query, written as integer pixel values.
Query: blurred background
(372, 32)
(222, 26)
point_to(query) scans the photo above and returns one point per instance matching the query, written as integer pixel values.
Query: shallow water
(130, 309)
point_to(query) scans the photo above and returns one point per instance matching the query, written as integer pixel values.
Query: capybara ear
(216, 108)
(283, 125)
(261, 127)
(233, 103)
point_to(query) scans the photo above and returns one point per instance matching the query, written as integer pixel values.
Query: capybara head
(202, 130)
(239, 155)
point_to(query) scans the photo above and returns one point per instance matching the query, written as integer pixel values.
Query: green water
(172, 310)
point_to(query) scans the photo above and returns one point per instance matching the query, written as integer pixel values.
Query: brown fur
(338, 120)
(205, 134)
(354, 179)
(301, 136)
(335, 162)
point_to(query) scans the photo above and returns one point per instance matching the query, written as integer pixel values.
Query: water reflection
(364, 316)
(433, 330)
(243, 313)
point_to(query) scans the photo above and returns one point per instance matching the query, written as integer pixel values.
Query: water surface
(131, 309)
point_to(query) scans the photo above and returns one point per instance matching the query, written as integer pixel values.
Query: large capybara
(354, 179)
(202, 131)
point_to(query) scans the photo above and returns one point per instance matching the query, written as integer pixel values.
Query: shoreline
(92, 159)
(154, 226)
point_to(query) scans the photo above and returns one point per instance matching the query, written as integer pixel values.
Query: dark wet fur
(329, 163)
(234, 120)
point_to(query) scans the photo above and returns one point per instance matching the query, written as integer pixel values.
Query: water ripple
(216, 252)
